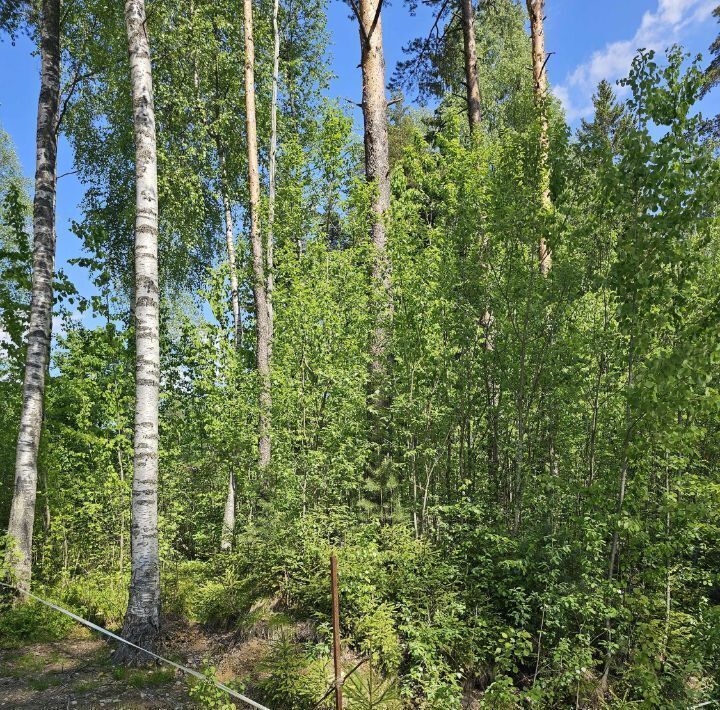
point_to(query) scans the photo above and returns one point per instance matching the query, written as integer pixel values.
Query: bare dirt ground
(78, 672)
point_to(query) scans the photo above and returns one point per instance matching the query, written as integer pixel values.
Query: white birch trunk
(142, 620)
(22, 511)
(228, 525)
(232, 257)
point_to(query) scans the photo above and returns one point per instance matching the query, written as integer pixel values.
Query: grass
(143, 679)
(83, 686)
(40, 684)
(32, 663)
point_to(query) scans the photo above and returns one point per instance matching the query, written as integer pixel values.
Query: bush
(180, 580)
(208, 695)
(100, 598)
(399, 603)
(294, 680)
(33, 622)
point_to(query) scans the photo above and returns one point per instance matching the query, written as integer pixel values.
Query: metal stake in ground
(336, 631)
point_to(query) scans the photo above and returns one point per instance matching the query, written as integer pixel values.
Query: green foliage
(543, 528)
(294, 679)
(143, 678)
(369, 690)
(208, 695)
(33, 622)
(98, 597)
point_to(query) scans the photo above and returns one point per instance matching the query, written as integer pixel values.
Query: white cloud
(657, 30)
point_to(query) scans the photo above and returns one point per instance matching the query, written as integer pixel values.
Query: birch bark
(22, 511)
(232, 256)
(142, 619)
(228, 526)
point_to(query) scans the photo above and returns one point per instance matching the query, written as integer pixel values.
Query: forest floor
(77, 672)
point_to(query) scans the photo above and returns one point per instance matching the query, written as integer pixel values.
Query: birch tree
(142, 619)
(228, 526)
(22, 512)
(231, 253)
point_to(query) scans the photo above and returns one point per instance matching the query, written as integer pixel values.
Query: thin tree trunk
(142, 619)
(22, 511)
(232, 257)
(471, 73)
(272, 168)
(262, 327)
(622, 487)
(228, 525)
(536, 10)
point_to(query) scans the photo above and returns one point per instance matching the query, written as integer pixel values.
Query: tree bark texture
(536, 10)
(142, 619)
(262, 321)
(377, 171)
(232, 256)
(471, 72)
(228, 526)
(22, 511)
(272, 169)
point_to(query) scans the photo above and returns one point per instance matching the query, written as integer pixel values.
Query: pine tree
(536, 10)
(472, 87)
(262, 316)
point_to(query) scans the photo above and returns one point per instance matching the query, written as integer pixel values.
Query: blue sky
(588, 45)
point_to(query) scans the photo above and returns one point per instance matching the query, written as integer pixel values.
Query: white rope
(184, 669)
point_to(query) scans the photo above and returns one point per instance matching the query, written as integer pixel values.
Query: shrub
(33, 622)
(100, 598)
(294, 680)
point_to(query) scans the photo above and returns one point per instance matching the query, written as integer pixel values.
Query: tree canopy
(518, 467)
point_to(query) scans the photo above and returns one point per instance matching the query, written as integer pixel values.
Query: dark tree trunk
(471, 72)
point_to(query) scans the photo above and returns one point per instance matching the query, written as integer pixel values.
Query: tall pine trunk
(142, 619)
(536, 10)
(471, 72)
(262, 320)
(377, 172)
(22, 511)
(272, 169)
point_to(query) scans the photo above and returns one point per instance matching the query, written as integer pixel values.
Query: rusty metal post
(336, 631)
